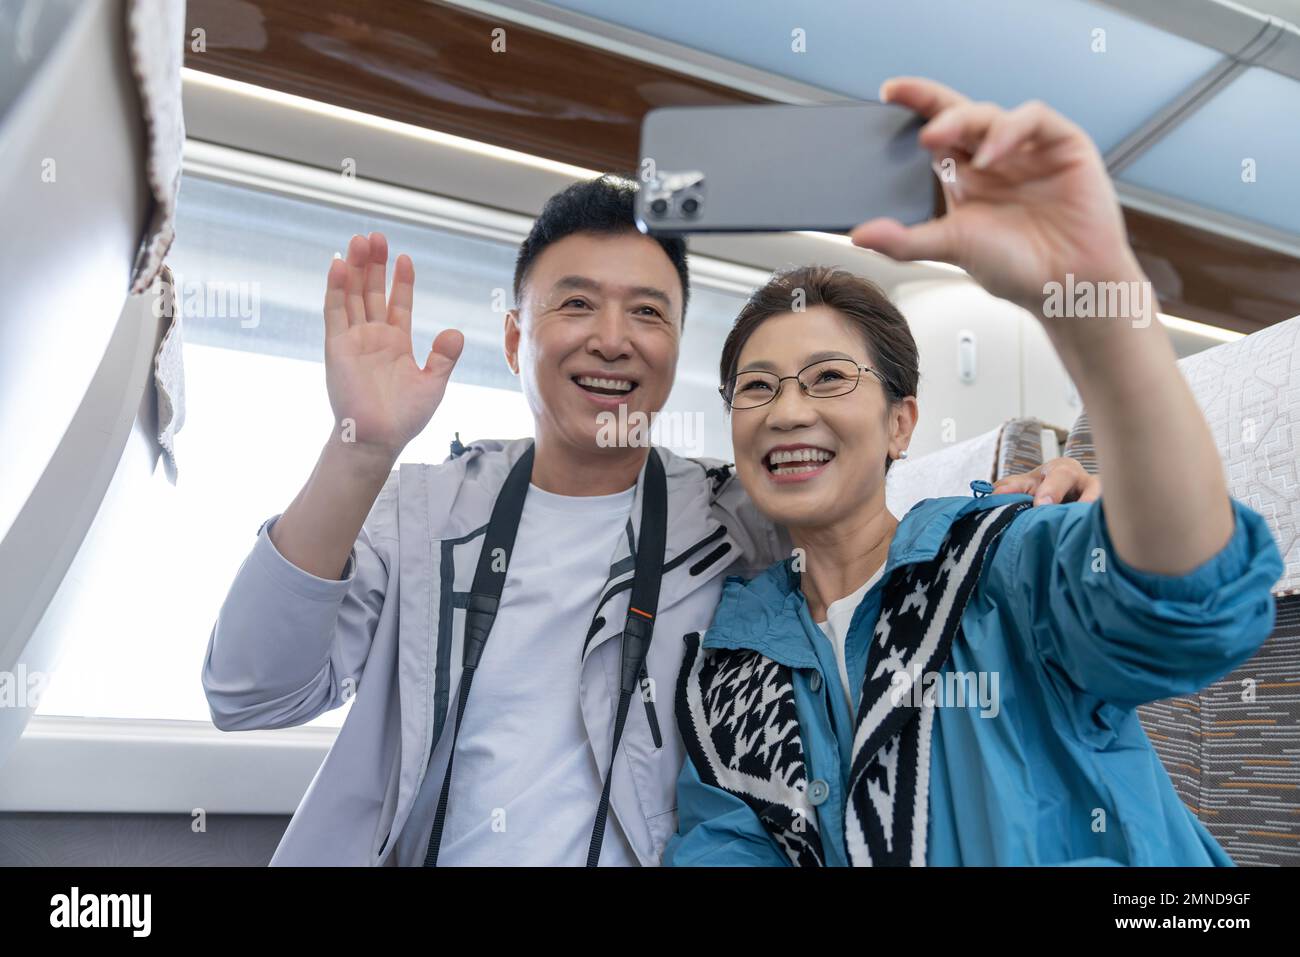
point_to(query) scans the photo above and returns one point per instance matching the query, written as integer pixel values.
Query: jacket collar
(695, 534)
(767, 613)
(697, 547)
(689, 495)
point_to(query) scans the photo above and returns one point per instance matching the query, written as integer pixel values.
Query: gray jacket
(288, 646)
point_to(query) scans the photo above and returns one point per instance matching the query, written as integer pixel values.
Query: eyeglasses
(820, 380)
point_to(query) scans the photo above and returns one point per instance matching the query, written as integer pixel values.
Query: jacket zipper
(650, 709)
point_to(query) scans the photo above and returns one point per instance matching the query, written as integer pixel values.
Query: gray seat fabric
(1020, 447)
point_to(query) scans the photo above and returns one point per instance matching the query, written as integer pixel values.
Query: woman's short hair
(885, 331)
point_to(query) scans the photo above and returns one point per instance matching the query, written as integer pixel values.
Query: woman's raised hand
(1028, 197)
(381, 397)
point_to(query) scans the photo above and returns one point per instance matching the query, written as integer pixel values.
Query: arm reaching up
(1031, 212)
(294, 634)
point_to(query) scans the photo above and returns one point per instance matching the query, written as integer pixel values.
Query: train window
(249, 268)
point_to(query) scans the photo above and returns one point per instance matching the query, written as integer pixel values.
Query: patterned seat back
(1233, 750)
(1012, 448)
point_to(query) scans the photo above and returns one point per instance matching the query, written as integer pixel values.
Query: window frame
(160, 765)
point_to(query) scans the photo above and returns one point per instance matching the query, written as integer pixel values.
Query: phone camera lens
(659, 207)
(690, 206)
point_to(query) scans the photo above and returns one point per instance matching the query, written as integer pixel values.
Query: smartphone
(709, 169)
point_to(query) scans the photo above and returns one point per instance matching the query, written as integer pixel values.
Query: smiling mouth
(796, 461)
(600, 385)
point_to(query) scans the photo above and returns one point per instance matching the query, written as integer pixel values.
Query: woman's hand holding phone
(1029, 205)
(1028, 197)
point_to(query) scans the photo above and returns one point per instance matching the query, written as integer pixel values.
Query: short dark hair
(863, 303)
(600, 205)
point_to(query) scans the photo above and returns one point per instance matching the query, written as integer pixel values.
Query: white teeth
(785, 456)
(619, 385)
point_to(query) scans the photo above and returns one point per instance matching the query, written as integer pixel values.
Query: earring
(903, 454)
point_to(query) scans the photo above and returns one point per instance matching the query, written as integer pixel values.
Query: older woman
(959, 687)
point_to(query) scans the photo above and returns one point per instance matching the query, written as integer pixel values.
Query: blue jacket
(1059, 771)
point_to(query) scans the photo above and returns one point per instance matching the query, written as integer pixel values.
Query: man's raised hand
(380, 395)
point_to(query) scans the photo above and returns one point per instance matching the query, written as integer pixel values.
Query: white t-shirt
(525, 785)
(836, 627)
